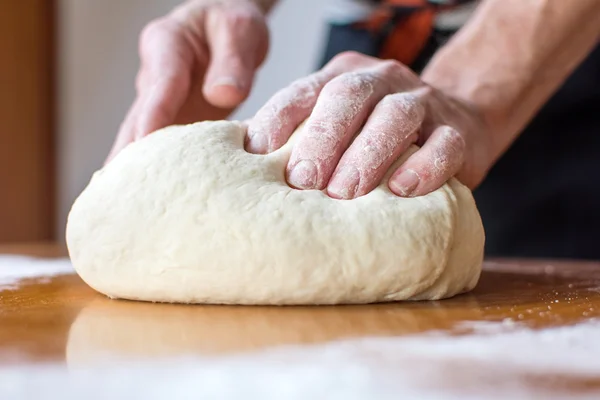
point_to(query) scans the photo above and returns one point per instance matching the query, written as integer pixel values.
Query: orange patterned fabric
(404, 25)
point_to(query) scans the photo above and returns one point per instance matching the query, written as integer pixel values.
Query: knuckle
(393, 67)
(154, 29)
(416, 108)
(311, 83)
(305, 88)
(241, 18)
(290, 100)
(350, 84)
(397, 74)
(447, 154)
(319, 128)
(389, 103)
(404, 108)
(348, 57)
(154, 32)
(453, 138)
(324, 132)
(403, 100)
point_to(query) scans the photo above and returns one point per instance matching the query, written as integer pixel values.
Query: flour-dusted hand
(396, 108)
(197, 63)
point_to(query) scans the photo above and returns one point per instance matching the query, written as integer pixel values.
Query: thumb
(238, 43)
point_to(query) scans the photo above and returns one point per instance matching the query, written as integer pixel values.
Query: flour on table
(14, 268)
(521, 364)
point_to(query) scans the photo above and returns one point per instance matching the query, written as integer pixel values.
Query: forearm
(512, 56)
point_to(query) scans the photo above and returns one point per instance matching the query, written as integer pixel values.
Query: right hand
(361, 114)
(197, 63)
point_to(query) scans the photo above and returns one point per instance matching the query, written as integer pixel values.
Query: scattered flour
(14, 269)
(494, 361)
(487, 327)
(521, 364)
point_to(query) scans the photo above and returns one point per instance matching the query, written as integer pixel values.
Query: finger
(162, 83)
(160, 105)
(392, 127)
(341, 109)
(274, 123)
(238, 43)
(165, 76)
(126, 132)
(440, 158)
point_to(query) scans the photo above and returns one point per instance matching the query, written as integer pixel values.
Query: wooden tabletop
(64, 321)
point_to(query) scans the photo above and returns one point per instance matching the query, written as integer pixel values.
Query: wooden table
(64, 321)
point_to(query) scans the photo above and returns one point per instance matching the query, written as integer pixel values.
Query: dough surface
(187, 215)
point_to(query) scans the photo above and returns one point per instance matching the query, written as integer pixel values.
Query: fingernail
(226, 81)
(344, 184)
(303, 175)
(258, 144)
(405, 183)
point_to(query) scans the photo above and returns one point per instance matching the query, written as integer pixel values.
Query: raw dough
(187, 215)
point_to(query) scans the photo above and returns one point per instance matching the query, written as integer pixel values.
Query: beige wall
(98, 62)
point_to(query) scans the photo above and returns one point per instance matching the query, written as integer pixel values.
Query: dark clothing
(541, 199)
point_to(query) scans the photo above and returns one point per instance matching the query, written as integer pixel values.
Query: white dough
(187, 215)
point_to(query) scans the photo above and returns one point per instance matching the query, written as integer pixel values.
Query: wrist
(511, 57)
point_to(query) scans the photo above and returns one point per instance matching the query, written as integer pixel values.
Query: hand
(397, 110)
(197, 63)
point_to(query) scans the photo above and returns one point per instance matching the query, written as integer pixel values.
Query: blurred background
(67, 80)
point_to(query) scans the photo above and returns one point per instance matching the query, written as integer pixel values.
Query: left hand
(396, 108)
(197, 63)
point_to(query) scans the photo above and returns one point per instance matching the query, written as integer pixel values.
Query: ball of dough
(187, 215)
